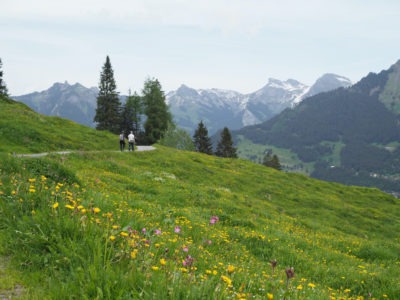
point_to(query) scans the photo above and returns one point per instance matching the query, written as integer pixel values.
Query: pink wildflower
(177, 229)
(214, 219)
(188, 262)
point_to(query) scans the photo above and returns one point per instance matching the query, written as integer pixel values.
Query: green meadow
(168, 224)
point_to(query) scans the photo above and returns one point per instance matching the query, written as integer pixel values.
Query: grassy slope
(24, 131)
(340, 240)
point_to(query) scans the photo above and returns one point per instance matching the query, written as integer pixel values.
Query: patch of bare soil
(11, 293)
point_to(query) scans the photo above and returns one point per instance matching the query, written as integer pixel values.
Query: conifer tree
(202, 142)
(3, 88)
(132, 114)
(272, 161)
(225, 146)
(108, 109)
(156, 111)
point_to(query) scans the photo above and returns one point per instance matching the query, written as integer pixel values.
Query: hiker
(131, 141)
(122, 141)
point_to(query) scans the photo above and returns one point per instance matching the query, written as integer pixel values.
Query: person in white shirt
(122, 141)
(131, 141)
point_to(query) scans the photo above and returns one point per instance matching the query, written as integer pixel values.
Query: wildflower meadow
(177, 225)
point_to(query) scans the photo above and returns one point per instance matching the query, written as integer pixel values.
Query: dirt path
(137, 148)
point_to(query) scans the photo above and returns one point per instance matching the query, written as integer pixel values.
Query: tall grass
(181, 225)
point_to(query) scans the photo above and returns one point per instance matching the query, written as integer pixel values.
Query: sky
(227, 44)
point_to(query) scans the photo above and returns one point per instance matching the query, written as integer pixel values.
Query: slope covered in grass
(170, 224)
(24, 131)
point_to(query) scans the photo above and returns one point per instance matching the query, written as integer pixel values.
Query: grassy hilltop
(169, 224)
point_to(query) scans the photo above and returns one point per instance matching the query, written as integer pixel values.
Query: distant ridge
(349, 135)
(217, 108)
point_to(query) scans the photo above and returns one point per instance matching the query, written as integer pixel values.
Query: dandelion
(96, 210)
(124, 234)
(163, 262)
(134, 253)
(227, 280)
(347, 290)
(32, 190)
(230, 269)
(32, 180)
(112, 238)
(311, 285)
(55, 205)
(155, 268)
(177, 229)
(299, 287)
(69, 206)
(270, 296)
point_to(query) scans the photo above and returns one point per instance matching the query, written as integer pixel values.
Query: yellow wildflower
(55, 205)
(154, 268)
(69, 206)
(31, 180)
(227, 280)
(112, 238)
(231, 269)
(311, 285)
(299, 287)
(123, 233)
(134, 254)
(96, 210)
(270, 296)
(163, 262)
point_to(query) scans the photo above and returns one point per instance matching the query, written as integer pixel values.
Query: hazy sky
(227, 44)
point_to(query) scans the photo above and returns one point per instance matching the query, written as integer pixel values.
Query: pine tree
(156, 111)
(132, 114)
(225, 145)
(108, 109)
(272, 161)
(202, 142)
(3, 87)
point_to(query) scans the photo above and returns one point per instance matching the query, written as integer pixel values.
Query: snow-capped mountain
(216, 107)
(220, 108)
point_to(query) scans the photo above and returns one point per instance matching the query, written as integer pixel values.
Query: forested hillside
(349, 135)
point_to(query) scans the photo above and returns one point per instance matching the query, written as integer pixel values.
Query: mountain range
(348, 135)
(225, 108)
(217, 108)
